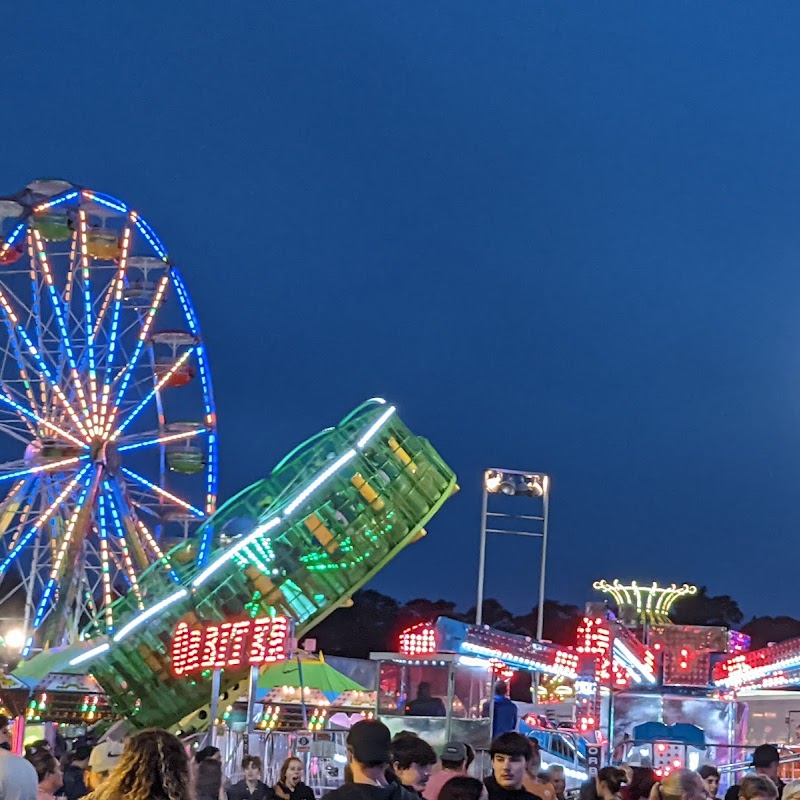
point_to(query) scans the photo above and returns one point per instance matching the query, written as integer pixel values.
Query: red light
(224, 645)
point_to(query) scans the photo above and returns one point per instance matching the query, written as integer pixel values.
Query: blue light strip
(70, 194)
(104, 561)
(109, 202)
(204, 547)
(151, 237)
(15, 234)
(87, 309)
(115, 314)
(37, 314)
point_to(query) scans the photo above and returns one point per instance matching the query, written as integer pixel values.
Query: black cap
(454, 751)
(765, 754)
(370, 741)
(81, 752)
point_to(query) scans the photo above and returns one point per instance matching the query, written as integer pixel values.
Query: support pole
(482, 556)
(302, 692)
(252, 692)
(216, 680)
(543, 565)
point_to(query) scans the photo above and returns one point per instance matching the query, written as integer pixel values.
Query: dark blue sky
(560, 236)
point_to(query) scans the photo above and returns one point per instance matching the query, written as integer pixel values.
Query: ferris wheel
(107, 422)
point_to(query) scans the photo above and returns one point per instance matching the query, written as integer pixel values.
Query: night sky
(559, 236)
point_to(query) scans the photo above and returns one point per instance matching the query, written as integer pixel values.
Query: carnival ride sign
(230, 645)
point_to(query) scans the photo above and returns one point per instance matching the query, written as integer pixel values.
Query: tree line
(374, 621)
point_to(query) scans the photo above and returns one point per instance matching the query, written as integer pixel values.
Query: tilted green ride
(299, 542)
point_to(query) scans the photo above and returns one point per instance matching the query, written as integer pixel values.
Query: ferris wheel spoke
(88, 304)
(58, 312)
(37, 315)
(14, 342)
(51, 426)
(113, 335)
(153, 439)
(163, 493)
(105, 564)
(127, 373)
(77, 521)
(162, 381)
(127, 509)
(112, 492)
(17, 469)
(43, 518)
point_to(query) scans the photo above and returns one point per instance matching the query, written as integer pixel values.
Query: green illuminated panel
(322, 550)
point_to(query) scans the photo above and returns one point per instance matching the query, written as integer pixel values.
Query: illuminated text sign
(230, 645)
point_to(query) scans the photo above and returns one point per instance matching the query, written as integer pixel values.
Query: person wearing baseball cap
(455, 760)
(103, 758)
(369, 755)
(766, 761)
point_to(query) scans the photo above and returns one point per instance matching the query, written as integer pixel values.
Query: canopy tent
(317, 676)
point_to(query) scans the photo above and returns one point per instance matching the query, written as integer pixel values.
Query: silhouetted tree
(763, 630)
(365, 627)
(496, 615)
(705, 609)
(422, 610)
(561, 621)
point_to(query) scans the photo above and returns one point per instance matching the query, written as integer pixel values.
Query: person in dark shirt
(252, 787)
(766, 761)
(425, 704)
(74, 773)
(510, 754)
(502, 710)
(413, 760)
(369, 753)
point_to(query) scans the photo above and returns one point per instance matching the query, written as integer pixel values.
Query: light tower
(535, 486)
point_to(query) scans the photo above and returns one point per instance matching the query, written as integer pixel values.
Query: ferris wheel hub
(106, 453)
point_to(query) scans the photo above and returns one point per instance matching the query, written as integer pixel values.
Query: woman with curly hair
(153, 766)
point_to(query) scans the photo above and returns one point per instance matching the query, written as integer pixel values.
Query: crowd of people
(642, 783)
(151, 765)
(154, 765)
